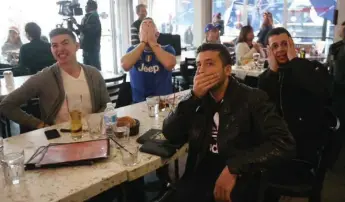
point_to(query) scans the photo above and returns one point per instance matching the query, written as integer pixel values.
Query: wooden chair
(114, 85)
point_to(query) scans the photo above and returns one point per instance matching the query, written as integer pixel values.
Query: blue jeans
(92, 58)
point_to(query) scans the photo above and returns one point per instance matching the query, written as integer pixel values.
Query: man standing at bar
(142, 13)
(149, 64)
(90, 35)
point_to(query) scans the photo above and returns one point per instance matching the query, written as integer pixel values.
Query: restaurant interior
(103, 163)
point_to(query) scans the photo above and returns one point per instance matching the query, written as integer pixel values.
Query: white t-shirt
(74, 88)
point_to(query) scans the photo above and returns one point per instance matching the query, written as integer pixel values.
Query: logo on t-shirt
(213, 144)
(154, 69)
(148, 58)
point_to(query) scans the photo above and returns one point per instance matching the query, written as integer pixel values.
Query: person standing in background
(266, 27)
(13, 41)
(217, 19)
(36, 55)
(90, 31)
(142, 13)
(188, 36)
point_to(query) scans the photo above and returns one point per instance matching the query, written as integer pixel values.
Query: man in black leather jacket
(233, 133)
(298, 87)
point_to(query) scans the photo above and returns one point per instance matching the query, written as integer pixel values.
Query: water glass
(74, 103)
(94, 125)
(256, 57)
(129, 155)
(1, 149)
(153, 105)
(13, 167)
(122, 131)
(261, 63)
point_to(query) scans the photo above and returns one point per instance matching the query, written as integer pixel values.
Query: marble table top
(79, 183)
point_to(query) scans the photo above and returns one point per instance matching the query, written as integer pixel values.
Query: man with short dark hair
(299, 89)
(233, 132)
(35, 55)
(150, 64)
(90, 31)
(142, 13)
(53, 85)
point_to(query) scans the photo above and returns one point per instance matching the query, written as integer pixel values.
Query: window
(233, 14)
(310, 20)
(307, 20)
(176, 17)
(19, 12)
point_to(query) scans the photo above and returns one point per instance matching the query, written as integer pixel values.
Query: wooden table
(20, 80)
(82, 182)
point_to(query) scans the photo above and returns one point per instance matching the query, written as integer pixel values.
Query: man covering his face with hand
(233, 133)
(299, 90)
(149, 64)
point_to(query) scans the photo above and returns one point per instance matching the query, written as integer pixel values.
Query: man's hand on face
(144, 33)
(203, 82)
(291, 50)
(272, 62)
(152, 39)
(224, 186)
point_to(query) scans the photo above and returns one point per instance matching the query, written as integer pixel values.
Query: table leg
(177, 173)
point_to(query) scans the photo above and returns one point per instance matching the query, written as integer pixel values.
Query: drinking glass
(153, 105)
(256, 57)
(94, 125)
(1, 148)
(13, 167)
(122, 131)
(129, 155)
(74, 104)
(261, 63)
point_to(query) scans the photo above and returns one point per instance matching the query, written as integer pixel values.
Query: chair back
(114, 85)
(32, 107)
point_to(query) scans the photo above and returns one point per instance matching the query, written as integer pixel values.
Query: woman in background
(266, 26)
(245, 46)
(13, 42)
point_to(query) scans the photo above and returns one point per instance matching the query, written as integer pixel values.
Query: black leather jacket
(251, 135)
(300, 91)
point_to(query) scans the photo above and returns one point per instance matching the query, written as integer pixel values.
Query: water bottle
(110, 118)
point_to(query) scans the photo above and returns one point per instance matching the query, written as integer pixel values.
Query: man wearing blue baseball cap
(212, 33)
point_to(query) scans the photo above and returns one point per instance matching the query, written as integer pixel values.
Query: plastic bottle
(110, 118)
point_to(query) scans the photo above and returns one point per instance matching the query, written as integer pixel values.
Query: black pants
(133, 191)
(247, 189)
(92, 58)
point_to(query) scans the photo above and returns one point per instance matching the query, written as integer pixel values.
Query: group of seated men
(234, 131)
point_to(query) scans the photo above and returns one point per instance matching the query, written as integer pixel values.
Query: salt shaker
(8, 76)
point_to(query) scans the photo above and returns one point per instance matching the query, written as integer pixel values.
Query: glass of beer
(74, 108)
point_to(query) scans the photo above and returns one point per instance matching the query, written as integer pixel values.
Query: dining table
(79, 183)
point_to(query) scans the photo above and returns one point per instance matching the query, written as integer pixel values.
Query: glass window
(176, 17)
(233, 14)
(310, 20)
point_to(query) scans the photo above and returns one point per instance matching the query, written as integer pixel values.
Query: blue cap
(211, 26)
